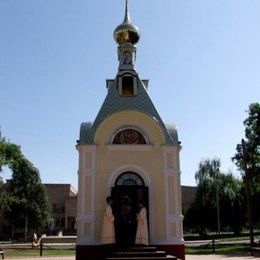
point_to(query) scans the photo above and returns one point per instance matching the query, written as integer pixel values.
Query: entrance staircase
(140, 253)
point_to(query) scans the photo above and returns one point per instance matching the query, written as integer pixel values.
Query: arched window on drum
(129, 136)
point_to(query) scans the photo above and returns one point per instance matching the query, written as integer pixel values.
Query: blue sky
(202, 59)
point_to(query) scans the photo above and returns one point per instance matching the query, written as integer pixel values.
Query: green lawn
(202, 250)
(36, 252)
(256, 238)
(223, 249)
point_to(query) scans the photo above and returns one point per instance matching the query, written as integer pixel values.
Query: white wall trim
(174, 152)
(166, 206)
(177, 195)
(171, 171)
(82, 194)
(93, 188)
(168, 148)
(86, 219)
(174, 171)
(173, 217)
(88, 172)
(87, 148)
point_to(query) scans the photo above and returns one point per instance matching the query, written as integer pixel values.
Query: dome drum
(126, 56)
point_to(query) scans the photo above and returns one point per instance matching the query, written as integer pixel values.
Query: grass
(256, 238)
(201, 250)
(230, 236)
(9, 253)
(220, 250)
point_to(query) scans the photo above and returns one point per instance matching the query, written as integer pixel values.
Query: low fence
(63, 242)
(214, 244)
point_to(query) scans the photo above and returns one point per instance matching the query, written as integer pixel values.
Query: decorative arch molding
(138, 119)
(129, 167)
(136, 134)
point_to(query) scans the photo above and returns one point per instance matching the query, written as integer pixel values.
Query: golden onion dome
(126, 32)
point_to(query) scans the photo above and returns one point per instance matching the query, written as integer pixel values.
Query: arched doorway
(129, 189)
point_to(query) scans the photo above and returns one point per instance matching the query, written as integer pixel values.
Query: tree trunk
(26, 227)
(12, 232)
(248, 196)
(249, 211)
(218, 214)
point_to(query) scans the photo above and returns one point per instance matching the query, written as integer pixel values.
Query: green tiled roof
(114, 103)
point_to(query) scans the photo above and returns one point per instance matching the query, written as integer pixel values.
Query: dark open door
(125, 208)
(126, 195)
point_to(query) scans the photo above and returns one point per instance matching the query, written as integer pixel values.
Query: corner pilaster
(173, 214)
(86, 194)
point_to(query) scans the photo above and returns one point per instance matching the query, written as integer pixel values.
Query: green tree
(231, 202)
(217, 200)
(25, 201)
(10, 154)
(207, 178)
(247, 159)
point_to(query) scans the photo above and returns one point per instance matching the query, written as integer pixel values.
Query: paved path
(44, 258)
(218, 257)
(188, 257)
(217, 241)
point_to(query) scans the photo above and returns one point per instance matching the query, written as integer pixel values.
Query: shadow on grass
(229, 250)
(36, 252)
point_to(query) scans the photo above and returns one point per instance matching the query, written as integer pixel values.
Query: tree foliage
(10, 154)
(202, 215)
(24, 198)
(235, 197)
(248, 151)
(247, 159)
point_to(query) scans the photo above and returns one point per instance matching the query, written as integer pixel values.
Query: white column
(86, 194)
(173, 216)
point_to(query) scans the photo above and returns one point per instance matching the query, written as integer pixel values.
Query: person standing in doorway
(127, 223)
(142, 227)
(108, 229)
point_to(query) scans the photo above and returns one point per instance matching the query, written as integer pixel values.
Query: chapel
(128, 152)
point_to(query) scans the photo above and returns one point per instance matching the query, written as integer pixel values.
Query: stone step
(168, 257)
(142, 253)
(141, 249)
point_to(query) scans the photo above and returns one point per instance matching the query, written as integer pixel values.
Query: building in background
(63, 199)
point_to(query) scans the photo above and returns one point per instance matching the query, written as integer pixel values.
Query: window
(129, 136)
(129, 179)
(58, 208)
(127, 86)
